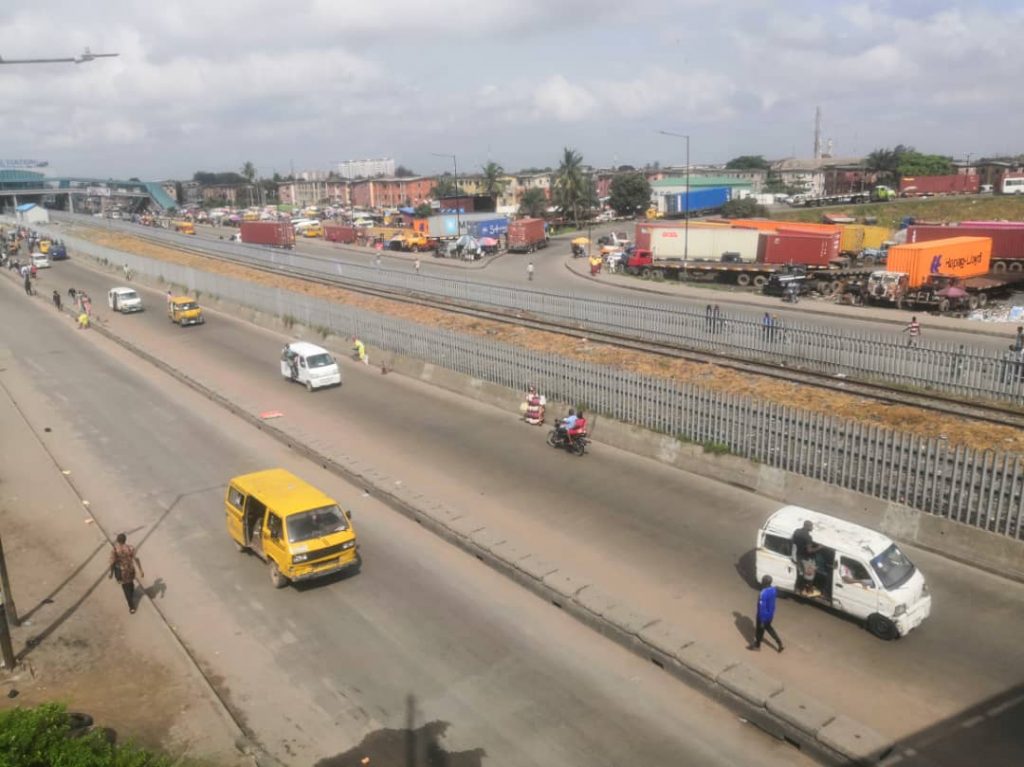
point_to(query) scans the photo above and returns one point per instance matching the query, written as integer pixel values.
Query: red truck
(339, 233)
(526, 235)
(279, 234)
(925, 186)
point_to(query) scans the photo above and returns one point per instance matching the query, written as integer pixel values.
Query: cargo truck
(279, 234)
(926, 186)
(1007, 239)
(814, 256)
(943, 275)
(858, 238)
(494, 228)
(526, 235)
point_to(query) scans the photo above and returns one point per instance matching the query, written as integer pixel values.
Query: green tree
(885, 163)
(494, 179)
(573, 190)
(746, 207)
(630, 192)
(748, 162)
(423, 210)
(917, 164)
(249, 172)
(533, 203)
(444, 186)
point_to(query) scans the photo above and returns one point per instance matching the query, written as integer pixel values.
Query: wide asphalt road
(426, 649)
(551, 274)
(675, 544)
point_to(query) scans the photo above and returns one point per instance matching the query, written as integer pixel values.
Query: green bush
(716, 448)
(39, 737)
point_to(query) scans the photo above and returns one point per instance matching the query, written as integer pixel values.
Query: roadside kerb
(588, 605)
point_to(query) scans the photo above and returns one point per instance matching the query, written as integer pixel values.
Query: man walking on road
(56, 300)
(913, 329)
(766, 614)
(123, 561)
(417, 264)
(529, 272)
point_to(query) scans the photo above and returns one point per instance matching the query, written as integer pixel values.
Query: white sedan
(40, 261)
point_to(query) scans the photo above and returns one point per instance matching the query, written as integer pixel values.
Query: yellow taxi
(299, 531)
(183, 311)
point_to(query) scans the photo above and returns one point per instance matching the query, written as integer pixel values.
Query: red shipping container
(915, 186)
(803, 248)
(526, 234)
(339, 233)
(1007, 241)
(280, 234)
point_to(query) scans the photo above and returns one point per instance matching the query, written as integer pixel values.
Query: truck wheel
(998, 266)
(309, 386)
(276, 578)
(972, 302)
(632, 270)
(1016, 266)
(743, 279)
(833, 286)
(645, 273)
(943, 306)
(657, 275)
(982, 300)
(882, 627)
(867, 260)
(760, 281)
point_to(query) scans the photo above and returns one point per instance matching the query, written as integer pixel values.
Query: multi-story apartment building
(366, 168)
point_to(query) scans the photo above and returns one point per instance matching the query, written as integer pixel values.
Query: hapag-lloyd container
(961, 257)
(1007, 238)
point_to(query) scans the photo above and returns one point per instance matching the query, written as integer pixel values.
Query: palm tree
(249, 173)
(445, 186)
(533, 203)
(494, 181)
(886, 162)
(572, 188)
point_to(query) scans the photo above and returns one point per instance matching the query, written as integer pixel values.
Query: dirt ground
(923, 423)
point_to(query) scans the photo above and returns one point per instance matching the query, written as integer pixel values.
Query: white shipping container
(704, 244)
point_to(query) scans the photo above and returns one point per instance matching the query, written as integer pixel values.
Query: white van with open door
(860, 572)
(310, 365)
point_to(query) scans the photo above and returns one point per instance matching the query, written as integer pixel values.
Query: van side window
(274, 526)
(779, 545)
(235, 498)
(302, 362)
(851, 570)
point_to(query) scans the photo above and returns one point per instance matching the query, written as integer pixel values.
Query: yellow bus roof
(282, 491)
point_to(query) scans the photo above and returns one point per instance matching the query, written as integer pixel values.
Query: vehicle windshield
(893, 567)
(316, 523)
(186, 306)
(127, 295)
(319, 360)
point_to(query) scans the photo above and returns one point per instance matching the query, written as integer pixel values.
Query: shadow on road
(49, 598)
(409, 747)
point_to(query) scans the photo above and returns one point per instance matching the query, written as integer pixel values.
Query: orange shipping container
(776, 225)
(961, 257)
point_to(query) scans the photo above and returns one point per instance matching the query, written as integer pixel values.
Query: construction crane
(82, 58)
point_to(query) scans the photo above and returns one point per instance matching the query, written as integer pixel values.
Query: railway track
(939, 402)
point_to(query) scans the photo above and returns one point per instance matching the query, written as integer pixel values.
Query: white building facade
(366, 168)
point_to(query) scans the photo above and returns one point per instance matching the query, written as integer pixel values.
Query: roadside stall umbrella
(234, 217)
(580, 241)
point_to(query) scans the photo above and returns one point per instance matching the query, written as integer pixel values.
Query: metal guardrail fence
(984, 489)
(944, 367)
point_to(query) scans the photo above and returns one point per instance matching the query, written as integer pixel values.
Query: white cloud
(557, 98)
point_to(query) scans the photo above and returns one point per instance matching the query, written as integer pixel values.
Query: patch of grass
(940, 209)
(716, 448)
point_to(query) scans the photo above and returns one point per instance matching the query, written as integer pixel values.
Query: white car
(40, 261)
(124, 300)
(309, 364)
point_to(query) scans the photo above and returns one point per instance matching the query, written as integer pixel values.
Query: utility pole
(7, 612)
(458, 196)
(686, 212)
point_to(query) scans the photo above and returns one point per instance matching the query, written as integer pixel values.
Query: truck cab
(887, 287)
(637, 260)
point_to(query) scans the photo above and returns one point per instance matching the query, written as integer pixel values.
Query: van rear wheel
(882, 627)
(276, 578)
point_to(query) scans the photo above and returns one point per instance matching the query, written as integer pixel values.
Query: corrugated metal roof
(700, 181)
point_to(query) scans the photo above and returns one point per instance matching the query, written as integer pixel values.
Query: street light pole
(686, 213)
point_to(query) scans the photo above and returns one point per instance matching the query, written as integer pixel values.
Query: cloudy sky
(209, 84)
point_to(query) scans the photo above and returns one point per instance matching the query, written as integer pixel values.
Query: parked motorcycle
(576, 443)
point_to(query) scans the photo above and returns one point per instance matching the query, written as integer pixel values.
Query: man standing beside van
(806, 560)
(766, 614)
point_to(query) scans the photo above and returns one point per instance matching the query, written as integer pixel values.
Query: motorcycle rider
(578, 428)
(566, 424)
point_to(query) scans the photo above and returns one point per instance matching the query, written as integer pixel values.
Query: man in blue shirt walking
(765, 614)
